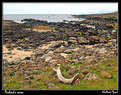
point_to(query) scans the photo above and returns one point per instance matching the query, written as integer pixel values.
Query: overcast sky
(59, 8)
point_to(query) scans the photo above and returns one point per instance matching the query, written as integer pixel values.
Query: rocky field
(48, 55)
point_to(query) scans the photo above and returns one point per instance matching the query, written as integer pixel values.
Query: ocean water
(47, 17)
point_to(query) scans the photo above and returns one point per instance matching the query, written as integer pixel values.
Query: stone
(68, 51)
(50, 53)
(103, 40)
(77, 49)
(27, 58)
(47, 82)
(105, 74)
(94, 39)
(81, 75)
(77, 81)
(19, 48)
(17, 61)
(27, 81)
(90, 76)
(56, 44)
(9, 52)
(5, 85)
(33, 57)
(64, 55)
(48, 58)
(85, 72)
(39, 51)
(60, 49)
(72, 38)
(72, 70)
(82, 40)
(102, 51)
(72, 41)
(65, 44)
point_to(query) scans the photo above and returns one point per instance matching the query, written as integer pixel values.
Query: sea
(47, 17)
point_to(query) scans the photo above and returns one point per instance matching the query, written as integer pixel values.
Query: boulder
(82, 40)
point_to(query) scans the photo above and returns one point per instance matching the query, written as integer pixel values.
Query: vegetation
(45, 78)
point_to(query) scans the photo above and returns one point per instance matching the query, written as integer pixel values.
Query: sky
(59, 8)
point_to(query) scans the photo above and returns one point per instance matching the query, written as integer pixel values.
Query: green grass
(97, 84)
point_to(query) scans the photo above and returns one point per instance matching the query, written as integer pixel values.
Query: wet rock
(90, 76)
(82, 40)
(105, 74)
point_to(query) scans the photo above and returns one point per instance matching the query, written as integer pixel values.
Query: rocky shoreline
(77, 46)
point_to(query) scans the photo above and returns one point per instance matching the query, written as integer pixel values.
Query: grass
(97, 84)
